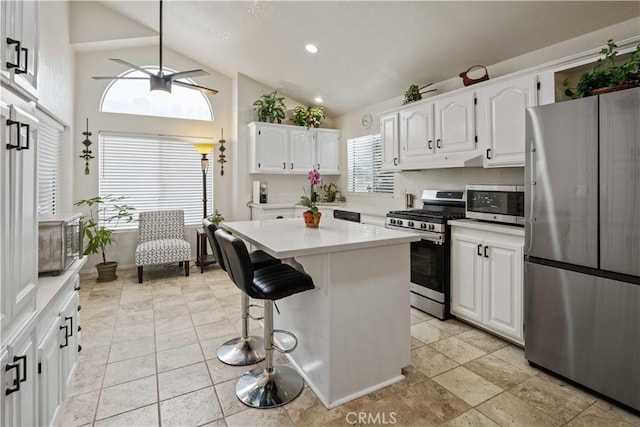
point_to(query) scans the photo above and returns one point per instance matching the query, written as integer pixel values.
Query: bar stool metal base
(242, 351)
(261, 388)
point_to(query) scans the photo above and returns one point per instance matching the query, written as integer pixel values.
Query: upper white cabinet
(390, 141)
(19, 54)
(416, 134)
(505, 120)
(455, 122)
(327, 150)
(293, 149)
(487, 277)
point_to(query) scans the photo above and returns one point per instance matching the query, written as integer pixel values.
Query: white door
(390, 141)
(503, 277)
(506, 105)
(271, 147)
(22, 403)
(455, 123)
(6, 251)
(466, 277)
(69, 339)
(26, 30)
(416, 133)
(328, 151)
(49, 387)
(301, 150)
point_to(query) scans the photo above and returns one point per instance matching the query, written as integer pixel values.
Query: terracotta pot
(311, 221)
(107, 271)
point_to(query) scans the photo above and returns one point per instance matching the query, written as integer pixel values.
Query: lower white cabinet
(487, 276)
(18, 373)
(266, 212)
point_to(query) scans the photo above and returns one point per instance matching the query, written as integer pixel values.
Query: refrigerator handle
(530, 184)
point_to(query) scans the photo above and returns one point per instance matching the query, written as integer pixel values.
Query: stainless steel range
(430, 256)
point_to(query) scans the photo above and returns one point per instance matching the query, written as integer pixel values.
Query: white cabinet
(416, 134)
(327, 151)
(487, 277)
(267, 212)
(505, 120)
(50, 379)
(281, 149)
(18, 372)
(18, 169)
(390, 141)
(19, 54)
(455, 122)
(68, 321)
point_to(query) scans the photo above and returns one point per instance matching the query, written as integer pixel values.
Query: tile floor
(149, 359)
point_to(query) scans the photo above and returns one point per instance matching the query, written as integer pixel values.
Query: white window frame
(364, 168)
(132, 165)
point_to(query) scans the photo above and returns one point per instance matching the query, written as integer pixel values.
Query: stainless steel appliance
(430, 262)
(259, 192)
(582, 269)
(497, 203)
(59, 242)
(346, 215)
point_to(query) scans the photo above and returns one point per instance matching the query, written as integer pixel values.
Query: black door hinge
(475, 101)
(476, 138)
(39, 367)
(538, 85)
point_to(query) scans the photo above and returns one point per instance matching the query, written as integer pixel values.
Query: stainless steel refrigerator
(582, 244)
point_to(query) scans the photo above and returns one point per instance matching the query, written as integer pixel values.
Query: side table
(202, 259)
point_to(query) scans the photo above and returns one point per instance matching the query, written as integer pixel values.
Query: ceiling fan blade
(190, 73)
(197, 87)
(129, 64)
(119, 78)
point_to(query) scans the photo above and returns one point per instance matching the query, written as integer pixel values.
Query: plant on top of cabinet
(309, 117)
(270, 107)
(606, 76)
(414, 93)
(105, 213)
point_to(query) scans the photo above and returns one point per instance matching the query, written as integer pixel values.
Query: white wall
(56, 77)
(282, 188)
(415, 181)
(87, 99)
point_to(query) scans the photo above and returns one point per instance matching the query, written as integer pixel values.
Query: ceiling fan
(160, 80)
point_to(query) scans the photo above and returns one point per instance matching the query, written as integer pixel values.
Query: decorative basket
(471, 81)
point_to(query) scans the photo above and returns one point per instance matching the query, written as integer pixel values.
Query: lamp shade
(204, 148)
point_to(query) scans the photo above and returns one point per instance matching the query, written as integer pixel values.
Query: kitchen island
(353, 328)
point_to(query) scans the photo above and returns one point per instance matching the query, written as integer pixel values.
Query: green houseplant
(311, 215)
(216, 218)
(309, 117)
(606, 75)
(105, 213)
(270, 107)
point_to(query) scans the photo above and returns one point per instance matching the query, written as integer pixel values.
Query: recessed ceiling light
(318, 99)
(311, 48)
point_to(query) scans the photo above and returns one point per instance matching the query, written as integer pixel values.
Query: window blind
(49, 163)
(155, 173)
(364, 163)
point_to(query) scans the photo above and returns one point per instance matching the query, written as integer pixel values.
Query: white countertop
(515, 230)
(49, 286)
(286, 238)
(363, 210)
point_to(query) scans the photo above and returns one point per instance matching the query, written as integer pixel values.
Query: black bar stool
(245, 349)
(273, 385)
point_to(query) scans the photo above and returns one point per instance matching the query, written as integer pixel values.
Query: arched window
(134, 97)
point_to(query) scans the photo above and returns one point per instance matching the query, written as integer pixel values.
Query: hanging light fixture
(86, 153)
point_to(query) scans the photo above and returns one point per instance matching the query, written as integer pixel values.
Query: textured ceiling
(369, 51)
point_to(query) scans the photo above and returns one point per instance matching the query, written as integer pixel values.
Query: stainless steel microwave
(59, 242)
(498, 203)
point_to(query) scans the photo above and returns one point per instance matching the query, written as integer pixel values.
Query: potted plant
(311, 215)
(330, 191)
(216, 218)
(606, 75)
(270, 108)
(309, 117)
(105, 213)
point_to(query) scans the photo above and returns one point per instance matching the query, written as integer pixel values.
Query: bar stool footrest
(288, 350)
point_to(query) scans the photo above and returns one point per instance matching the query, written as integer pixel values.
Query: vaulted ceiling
(369, 51)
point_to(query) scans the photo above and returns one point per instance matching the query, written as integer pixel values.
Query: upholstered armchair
(161, 240)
